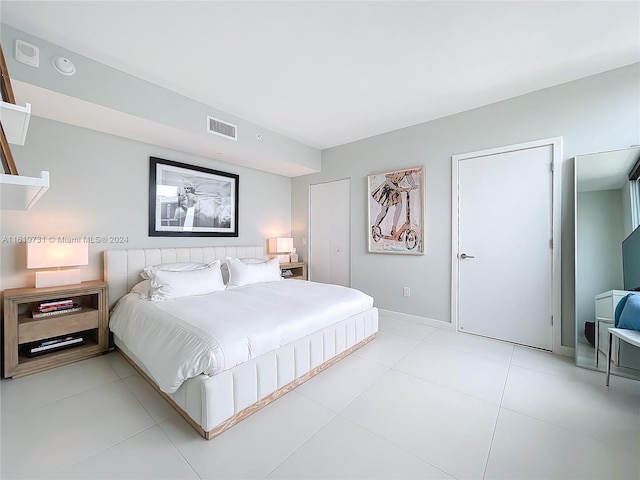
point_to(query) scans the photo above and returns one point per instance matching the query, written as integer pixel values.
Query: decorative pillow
(243, 273)
(619, 308)
(143, 288)
(167, 284)
(225, 267)
(147, 273)
(630, 315)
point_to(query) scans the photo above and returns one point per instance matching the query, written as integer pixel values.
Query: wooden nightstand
(298, 270)
(91, 323)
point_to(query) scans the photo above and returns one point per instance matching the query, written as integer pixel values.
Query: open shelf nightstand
(90, 322)
(298, 270)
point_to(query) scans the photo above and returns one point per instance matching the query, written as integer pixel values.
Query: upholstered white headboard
(122, 268)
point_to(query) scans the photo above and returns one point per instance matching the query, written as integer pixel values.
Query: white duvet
(183, 337)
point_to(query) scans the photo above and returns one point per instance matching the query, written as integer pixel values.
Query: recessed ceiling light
(64, 66)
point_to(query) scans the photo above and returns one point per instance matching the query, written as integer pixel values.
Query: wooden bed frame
(211, 405)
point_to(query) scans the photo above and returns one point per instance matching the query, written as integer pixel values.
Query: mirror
(603, 219)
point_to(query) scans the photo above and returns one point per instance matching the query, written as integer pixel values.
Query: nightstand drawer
(33, 329)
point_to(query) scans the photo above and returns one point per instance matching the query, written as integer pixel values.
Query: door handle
(464, 255)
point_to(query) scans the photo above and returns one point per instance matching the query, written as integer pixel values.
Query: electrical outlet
(406, 292)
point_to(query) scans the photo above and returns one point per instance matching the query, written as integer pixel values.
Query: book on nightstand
(51, 344)
(54, 305)
(39, 313)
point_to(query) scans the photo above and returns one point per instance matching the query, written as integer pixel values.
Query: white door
(330, 232)
(504, 251)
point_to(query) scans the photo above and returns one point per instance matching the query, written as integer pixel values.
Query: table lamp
(56, 255)
(281, 247)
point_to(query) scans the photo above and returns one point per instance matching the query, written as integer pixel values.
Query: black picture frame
(191, 201)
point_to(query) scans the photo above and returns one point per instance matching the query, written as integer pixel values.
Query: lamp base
(56, 278)
(283, 258)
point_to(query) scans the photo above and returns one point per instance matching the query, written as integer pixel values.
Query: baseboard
(429, 322)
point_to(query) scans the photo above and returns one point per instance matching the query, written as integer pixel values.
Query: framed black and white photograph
(396, 212)
(193, 201)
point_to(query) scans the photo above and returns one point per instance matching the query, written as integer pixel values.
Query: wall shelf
(15, 121)
(18, 192)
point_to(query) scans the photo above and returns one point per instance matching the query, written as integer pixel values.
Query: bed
(268, 337)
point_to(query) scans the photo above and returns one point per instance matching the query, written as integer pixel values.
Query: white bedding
(183, 337)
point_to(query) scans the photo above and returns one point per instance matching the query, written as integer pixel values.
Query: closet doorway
(330, 232)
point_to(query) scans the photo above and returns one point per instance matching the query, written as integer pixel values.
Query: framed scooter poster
(396, 212)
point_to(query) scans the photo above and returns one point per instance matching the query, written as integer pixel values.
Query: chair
(629, 336)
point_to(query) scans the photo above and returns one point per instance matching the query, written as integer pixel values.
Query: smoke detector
(64, 66)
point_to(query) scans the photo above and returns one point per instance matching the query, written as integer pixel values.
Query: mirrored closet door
(603, 219)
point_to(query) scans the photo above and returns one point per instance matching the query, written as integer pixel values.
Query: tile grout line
(178, 448)
(495, 426)
(303, 443)
(386, 440)
(57, 400)
(157, 423)
(569, 430)
(100, 451)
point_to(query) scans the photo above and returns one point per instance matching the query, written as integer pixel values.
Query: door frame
(556, 169)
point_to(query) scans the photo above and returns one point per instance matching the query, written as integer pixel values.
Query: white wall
(593, 114)
(100, 186)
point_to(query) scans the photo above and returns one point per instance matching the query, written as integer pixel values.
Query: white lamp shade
(47, 255)
(280, 245)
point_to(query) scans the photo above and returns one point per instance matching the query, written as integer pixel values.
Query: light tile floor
(418, 402)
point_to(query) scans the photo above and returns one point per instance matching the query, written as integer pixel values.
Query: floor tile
(622, 384)
(387, 349)
(475, 375)
(254, 447)
(22, 394)
(418, 402)
(149, 454)
(403, 328)
(51, 438)
(432, 422)
(595, 411)
(525, 448)
(153, 403)
(343, 450)
(552, 364)
(122, 367)
(338, 386)
(465, 342)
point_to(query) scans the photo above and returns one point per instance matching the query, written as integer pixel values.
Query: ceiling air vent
(224, 129)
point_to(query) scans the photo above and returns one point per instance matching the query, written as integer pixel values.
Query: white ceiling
(331, 72)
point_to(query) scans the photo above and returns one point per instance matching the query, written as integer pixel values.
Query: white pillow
(143, 288)
(147, 273)
(225, 267)
(167, 284)
(242, 273)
